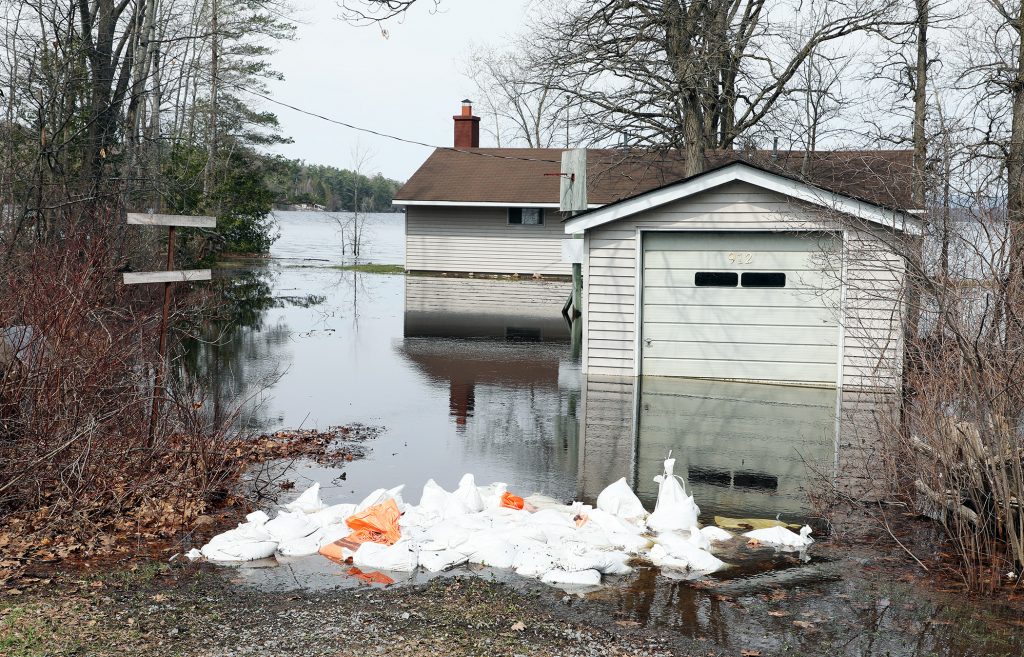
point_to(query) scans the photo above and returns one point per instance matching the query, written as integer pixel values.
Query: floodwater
(479, 376)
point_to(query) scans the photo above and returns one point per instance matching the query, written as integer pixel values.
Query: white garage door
(742, 306)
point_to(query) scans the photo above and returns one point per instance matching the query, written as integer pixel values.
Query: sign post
(168, 277)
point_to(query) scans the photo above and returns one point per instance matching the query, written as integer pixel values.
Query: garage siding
(873, 277)
(480, 240)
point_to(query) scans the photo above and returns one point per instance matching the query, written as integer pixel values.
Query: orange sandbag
(510, 501)
(377, 524)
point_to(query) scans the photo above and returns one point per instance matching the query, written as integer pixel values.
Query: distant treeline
(294, 182)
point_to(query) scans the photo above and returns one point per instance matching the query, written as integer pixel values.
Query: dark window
(716, 279)
(764, 279)
(526, 216)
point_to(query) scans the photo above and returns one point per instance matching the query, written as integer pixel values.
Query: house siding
(870, 268)
(480, 240)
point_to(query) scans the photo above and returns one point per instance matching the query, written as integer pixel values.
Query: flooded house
(748, 274)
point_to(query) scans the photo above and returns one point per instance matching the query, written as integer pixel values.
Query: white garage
(744, 274)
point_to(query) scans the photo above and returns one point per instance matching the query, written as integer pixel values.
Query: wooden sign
(179, 276)
(142, 219)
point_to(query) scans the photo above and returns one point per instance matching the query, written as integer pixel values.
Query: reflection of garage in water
(744, 449)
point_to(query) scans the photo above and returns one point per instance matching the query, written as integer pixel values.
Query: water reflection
(745, 449)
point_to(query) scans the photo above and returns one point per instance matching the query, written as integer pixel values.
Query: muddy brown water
(480, 376)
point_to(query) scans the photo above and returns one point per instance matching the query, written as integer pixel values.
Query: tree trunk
(920, 106)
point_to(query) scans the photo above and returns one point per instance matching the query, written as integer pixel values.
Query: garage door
(741, 306)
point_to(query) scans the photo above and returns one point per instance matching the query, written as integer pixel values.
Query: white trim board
(742, 172)
(483, 204)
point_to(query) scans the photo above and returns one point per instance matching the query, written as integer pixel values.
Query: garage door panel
(733, 260)
(739, 315)
(819, 354)
(743, 370)
(743, 333)
(739, 296)
(788, 334)
(701, 241)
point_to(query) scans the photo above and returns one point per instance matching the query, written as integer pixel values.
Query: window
(764, 279)
(716, 279)
(526, 216)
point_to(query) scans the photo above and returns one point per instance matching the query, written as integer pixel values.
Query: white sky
(408, 84)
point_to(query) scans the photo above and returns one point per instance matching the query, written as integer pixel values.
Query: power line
(386, 135)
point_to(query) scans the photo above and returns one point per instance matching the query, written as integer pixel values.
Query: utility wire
(386, 135)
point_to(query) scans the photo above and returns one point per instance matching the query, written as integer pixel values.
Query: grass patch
(373, 269)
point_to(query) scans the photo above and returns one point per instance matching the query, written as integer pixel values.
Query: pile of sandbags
(536, 537)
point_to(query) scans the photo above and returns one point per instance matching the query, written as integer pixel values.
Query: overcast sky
(408, 83)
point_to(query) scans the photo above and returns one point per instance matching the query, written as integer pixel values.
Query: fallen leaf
(803, 625)
(159, 597)
(628, 623)
(750, 653)
(518, 626)
(778, 614)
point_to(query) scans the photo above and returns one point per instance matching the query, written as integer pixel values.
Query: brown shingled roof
(516, 175)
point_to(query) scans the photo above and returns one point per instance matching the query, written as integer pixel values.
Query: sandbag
(608, 562)
(335, 514)
(443, 537)
(380, 496)
(780, 537)
(308, 502)
(619, 500)
(685, 556)
(437, 560)
(577, 578)
(289, 525)
(434, 499)
(247, 542)
(376, 524)
(489, 551)
(257, 518)
(674, 508)
(716, 534)
(534, 560)
(468, 494)
(400, 557)
(303, 546)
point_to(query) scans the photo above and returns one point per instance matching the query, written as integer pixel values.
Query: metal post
(158, 380)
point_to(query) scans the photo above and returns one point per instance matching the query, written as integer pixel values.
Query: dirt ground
(862, 601)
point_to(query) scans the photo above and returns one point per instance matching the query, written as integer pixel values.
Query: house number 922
(741, 258)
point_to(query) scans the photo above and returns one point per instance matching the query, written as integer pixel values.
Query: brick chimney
(467, 127)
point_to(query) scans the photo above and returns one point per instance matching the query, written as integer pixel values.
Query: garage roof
(516, 176)
(743, 171)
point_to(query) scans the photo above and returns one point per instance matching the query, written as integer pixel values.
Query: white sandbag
(469, 495)
(454, 507)
(492, 494)
(577, 578)
(578, 557)
(674, 509)
(558, 518)
(685, 556)
(444, 536)
(716, 534)
(257, 518)
(304, 546)
(783, 538)
(631, 543)
(290, 525)
(247, 542)
(489, 551)
(335, 514)
(382, 495)
(619, 500)
(434, 498)
(437, 560)
(308, 502)
(193, 554)
(534, 560)
(400, 557)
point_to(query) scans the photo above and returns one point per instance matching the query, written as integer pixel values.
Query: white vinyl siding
(481, 240)
(870, 270)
